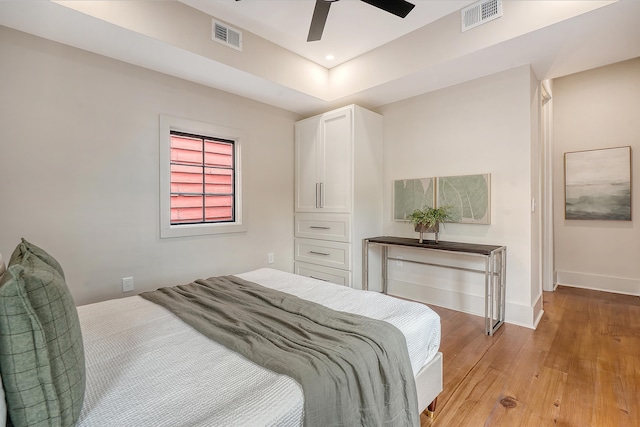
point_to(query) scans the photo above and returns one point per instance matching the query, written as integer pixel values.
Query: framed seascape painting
(469, 197)
(412, 194)
(598, 184)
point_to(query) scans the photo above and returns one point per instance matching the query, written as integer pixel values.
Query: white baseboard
(538, 311)
(515, 314)
(618, 285)
(520, 315)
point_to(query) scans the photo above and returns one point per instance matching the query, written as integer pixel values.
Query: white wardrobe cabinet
(323, 163)
(338, 192)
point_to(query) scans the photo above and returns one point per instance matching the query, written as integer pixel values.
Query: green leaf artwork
(412, 194)
(468, 195)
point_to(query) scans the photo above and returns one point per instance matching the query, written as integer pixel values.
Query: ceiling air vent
(224, 34)
(480, 13)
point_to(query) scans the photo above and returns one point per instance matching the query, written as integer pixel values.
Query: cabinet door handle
(318, 278)
(321, 195)
(318, 195)
(319, 253)
(317, 227)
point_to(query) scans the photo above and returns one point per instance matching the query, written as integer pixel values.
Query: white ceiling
(352, 28)
(390, 59)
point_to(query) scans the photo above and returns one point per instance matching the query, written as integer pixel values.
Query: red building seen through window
(202, 179)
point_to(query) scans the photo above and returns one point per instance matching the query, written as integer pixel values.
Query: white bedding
(145, 367)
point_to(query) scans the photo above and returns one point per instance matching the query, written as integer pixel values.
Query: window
(202, 170)
(199, 178)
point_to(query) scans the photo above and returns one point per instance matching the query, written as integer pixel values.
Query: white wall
(597, 109)
(483, 126)
(79, 172)
(537, 157)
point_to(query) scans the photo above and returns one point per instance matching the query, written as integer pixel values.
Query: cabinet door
(307, 139)
(335, 161)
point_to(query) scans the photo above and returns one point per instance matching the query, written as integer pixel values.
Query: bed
(146, 367)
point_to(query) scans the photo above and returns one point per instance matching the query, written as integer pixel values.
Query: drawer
(327, 274)
(323, 252)
(323, 226)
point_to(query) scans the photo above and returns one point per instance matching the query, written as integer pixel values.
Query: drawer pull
(317, 227)
(319, 253)
(318, 278)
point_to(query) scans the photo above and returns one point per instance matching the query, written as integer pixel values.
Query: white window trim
(168, 124)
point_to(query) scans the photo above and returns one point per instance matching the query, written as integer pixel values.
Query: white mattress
(145, 367)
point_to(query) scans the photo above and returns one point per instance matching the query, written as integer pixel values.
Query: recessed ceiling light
(330, 57)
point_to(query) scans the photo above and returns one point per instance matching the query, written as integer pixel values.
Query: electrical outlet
(127, 284)
(270, 257)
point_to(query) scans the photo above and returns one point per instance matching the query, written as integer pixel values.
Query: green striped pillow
(41, 351)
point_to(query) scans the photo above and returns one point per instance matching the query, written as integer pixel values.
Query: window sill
(200, 229)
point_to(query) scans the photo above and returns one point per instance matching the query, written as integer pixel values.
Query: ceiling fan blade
(318, 20)
(399, 8)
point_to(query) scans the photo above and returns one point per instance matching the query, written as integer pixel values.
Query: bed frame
(429, 385)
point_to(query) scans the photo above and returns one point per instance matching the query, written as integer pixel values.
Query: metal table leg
(385, 259)
(365, 264)
(487, 296)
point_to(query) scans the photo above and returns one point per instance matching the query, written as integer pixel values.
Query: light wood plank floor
(580, 368)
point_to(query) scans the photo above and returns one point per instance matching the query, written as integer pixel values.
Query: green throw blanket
(354, 371)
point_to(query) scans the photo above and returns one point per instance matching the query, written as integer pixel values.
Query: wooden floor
(580, 367)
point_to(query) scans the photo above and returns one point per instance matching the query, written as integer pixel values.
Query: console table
(495, 269)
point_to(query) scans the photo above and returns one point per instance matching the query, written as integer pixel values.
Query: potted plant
(428, 220)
